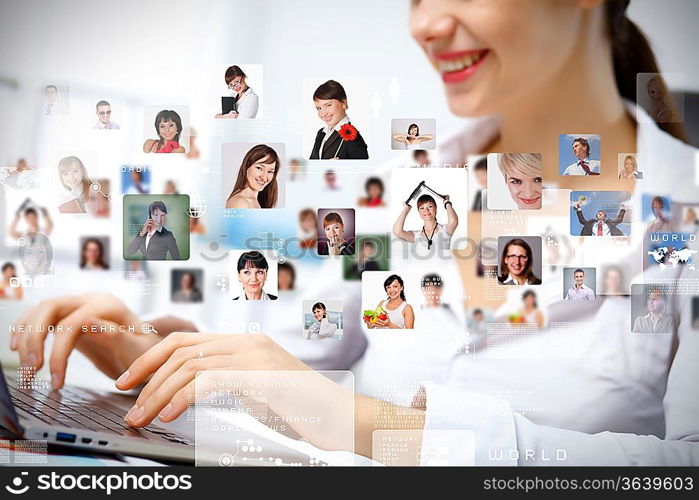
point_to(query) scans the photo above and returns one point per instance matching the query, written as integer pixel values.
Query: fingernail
(165, 411)
(55, 380)
(138, 413)
(31, 359)
(128, 413)
(123, 377)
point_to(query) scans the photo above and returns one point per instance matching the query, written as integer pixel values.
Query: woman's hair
(374, 181)
(252, 259)
(168, 115)
(191, 277)
(530, 293)
(633, 159)
(330, 90)
(528, 273)
(425, 198)
(157, 205)
(234, 72)
(585, 143)
(319, 305)
(307, 212)
(69, 162)
(632, 54)
(292, 272)
(414, 125)
(100, 247)
(332, 217)
(527, 164)
(611, 269)
(658, 199)
(268, 196)
(8, 265)
(391, 279)
(432, 279)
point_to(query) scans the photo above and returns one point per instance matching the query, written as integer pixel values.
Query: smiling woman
(256, 184)
(168, 125)
(522, 173)
(73, 176)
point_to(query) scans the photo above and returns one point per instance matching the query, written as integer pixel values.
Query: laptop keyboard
(80, 409)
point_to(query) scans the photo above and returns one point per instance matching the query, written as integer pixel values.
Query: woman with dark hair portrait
(398, 313)
(188, 290)
(412, 139)
(374, 193)
(92, 255)
(286, 276)
(530, 310)
(339, 139)
(252, 274)
(74, 179)
(432, 233)
(322, 328)
(517, 264)
(7, 290)
(154, 241)
(168, 126)
(334, 228)
(246, 101)
(256, 184)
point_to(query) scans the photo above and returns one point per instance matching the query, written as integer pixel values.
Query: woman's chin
(466, 104)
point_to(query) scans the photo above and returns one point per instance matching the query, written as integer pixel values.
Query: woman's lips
(529, 201)
(456, 67)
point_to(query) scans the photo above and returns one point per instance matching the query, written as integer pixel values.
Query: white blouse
(624, 399)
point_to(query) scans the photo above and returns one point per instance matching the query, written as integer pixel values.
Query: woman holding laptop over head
(432, 232)
(339, 139)
(246, 101)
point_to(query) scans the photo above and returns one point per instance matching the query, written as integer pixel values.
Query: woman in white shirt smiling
(637, 403)
(246, 101)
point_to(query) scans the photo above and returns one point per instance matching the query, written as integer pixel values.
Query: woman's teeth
(459, 63)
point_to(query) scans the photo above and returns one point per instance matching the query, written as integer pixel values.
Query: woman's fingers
(35, 325)
(142, 413)
(180, 356)
(156, 356)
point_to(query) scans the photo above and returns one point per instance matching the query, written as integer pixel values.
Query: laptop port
(86, 440)
(64, 436)
(103, 443)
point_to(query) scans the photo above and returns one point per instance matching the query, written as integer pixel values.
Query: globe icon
(197, 207)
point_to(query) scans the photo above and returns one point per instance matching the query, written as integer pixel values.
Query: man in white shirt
(600, 225)
(656, 321)
(54, 106)
(580, 291)
(584, 166)
(104, 114)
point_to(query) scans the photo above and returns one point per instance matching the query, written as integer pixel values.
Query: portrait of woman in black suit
(338, 139)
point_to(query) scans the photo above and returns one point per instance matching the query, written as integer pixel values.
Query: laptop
(81, 418)
(228, 104)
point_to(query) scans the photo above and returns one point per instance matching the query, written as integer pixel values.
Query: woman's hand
(147, 227)
(407, 207)
(446, 199)
(173, 364)
(383, 323)
(333, 246)
(98, 325)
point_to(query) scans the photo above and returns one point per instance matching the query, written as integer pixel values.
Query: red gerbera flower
(348, 132)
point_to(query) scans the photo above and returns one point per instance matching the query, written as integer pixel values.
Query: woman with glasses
(246, 101)
(516, 264)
